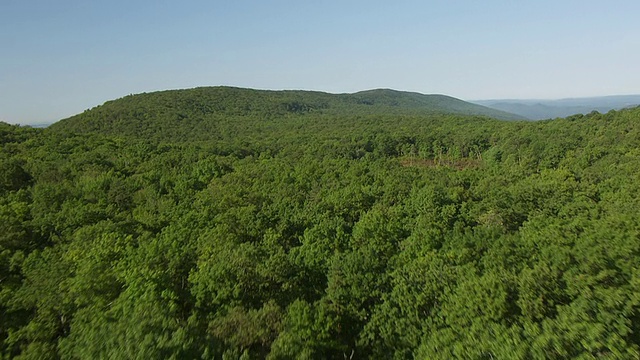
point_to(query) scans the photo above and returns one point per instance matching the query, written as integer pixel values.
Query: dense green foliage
(319, 235)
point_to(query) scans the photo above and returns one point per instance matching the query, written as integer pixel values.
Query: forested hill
(320, 236)
(195, 111)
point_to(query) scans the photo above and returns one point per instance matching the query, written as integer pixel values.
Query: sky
(61, 57)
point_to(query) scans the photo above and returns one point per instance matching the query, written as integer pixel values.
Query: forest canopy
(238, 224)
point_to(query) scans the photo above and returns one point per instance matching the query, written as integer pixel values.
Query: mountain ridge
(235, 101)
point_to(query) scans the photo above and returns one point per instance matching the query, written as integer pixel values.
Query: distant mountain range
(548, 109)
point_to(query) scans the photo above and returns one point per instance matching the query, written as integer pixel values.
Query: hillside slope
(201, 108)
(324, 237)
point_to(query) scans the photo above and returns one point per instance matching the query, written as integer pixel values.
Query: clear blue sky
(60, 57)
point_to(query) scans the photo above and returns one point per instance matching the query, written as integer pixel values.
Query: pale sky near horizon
(58, 58)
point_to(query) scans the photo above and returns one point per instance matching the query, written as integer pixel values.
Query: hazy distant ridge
(547, 109)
